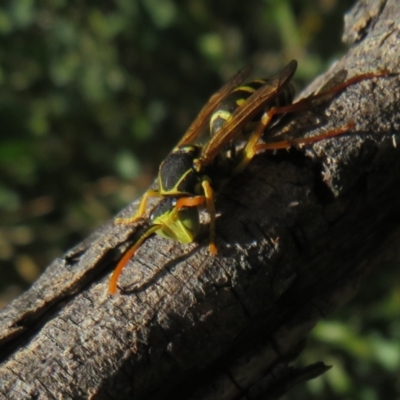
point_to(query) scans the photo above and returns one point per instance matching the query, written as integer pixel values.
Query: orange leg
(189, 202)
(304, 104)
(252, 147)
(249, 150)
(286, 144)
(209, 195)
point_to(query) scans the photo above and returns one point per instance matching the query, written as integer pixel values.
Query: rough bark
(297, 233)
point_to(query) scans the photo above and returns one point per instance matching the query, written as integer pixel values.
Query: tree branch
(297, 232)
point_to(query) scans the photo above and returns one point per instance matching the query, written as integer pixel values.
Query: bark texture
(297, 232)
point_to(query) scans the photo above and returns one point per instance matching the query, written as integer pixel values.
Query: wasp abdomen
(240, 95)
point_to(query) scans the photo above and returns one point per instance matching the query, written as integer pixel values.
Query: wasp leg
(112, 286)
(286, 144)
(210, 203)
(195, 201)
(141, 209)
(252, 148)
(306, 103)
(348, 82)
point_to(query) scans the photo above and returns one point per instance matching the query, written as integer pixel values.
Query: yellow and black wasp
(186, 178)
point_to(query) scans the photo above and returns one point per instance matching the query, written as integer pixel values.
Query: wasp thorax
(177, 175)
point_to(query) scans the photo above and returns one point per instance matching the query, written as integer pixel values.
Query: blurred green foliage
(94, 94)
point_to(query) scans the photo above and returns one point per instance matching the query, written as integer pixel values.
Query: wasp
(187, 177)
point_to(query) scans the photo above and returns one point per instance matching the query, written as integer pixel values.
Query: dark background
(93, 94)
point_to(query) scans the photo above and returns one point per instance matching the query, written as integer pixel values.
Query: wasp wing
(203, 117)
(244, 113)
